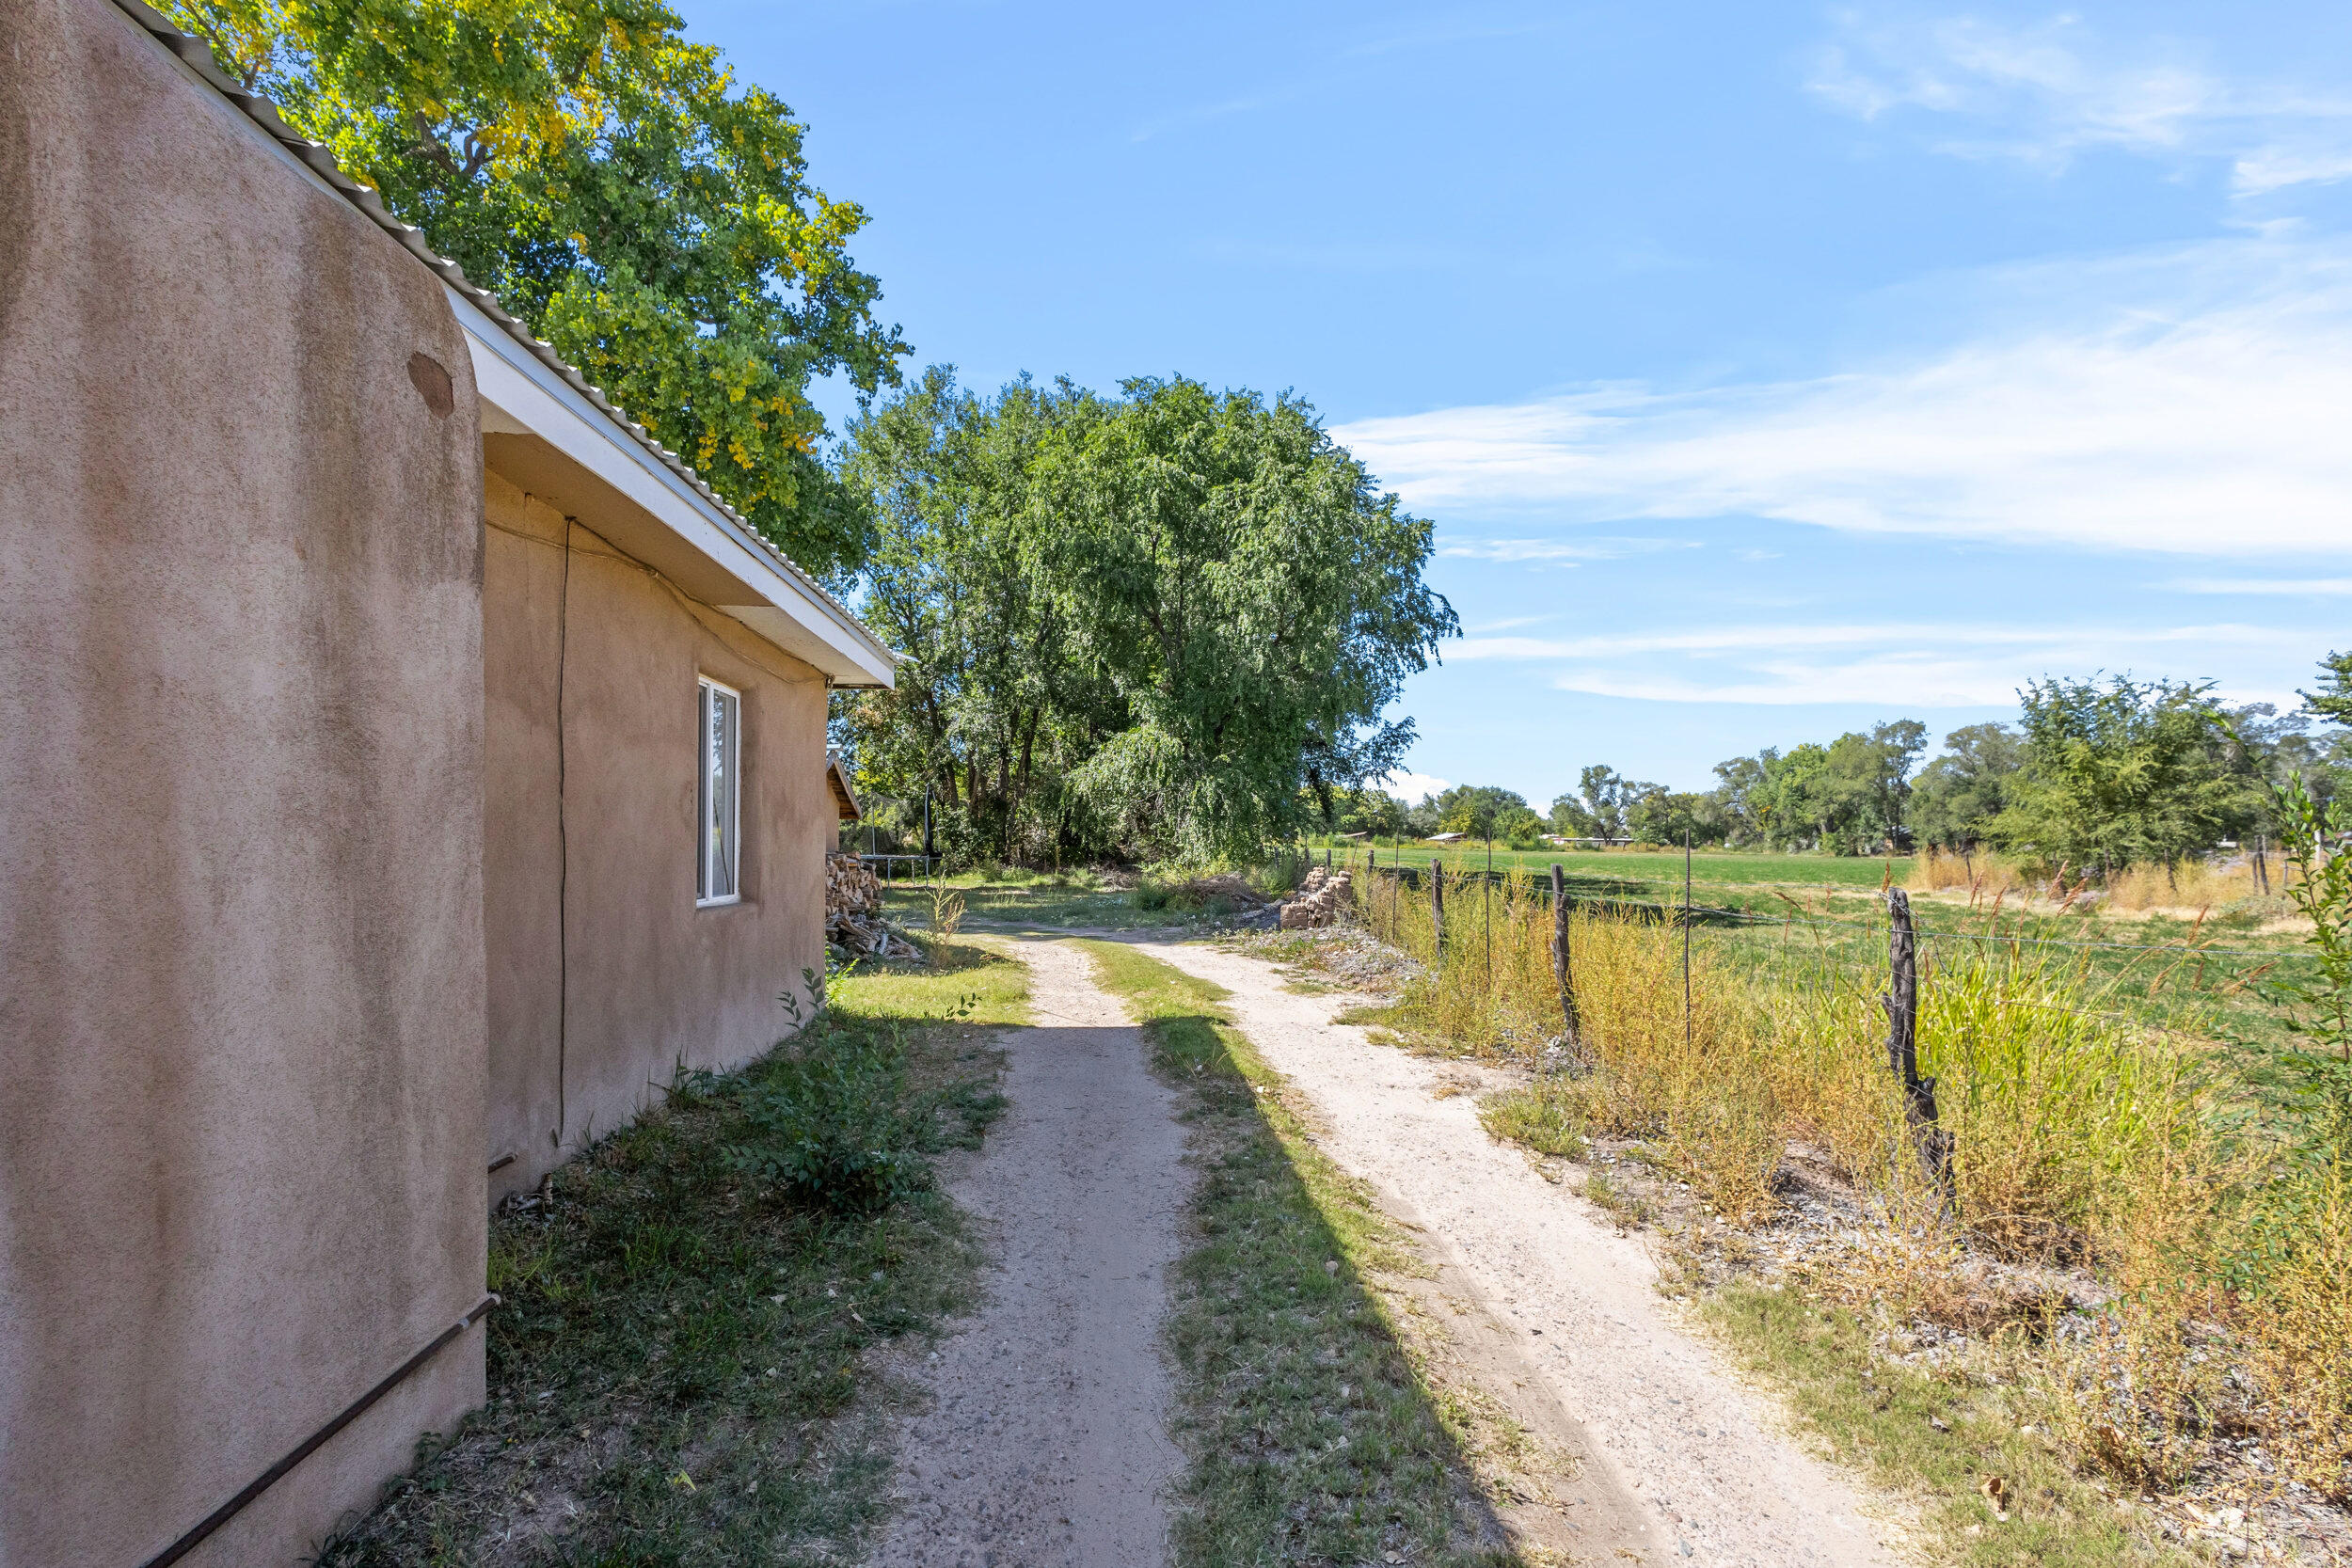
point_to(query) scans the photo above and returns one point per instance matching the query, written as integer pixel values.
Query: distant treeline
(2099, 773)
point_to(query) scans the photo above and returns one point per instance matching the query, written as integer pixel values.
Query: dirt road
(1044, 1440)
(1715, 1474)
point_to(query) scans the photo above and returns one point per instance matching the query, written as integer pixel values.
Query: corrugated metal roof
(199, 58)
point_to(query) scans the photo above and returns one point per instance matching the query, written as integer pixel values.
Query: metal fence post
(1437, 913)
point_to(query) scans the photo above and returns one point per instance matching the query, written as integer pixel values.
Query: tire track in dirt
(1044, 1440)
(1716, 1476)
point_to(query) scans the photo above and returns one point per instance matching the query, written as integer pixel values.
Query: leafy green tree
(1737, 800)
(1570, 820)
(1665, 816)
(1792, 803)
(618, 190)
(2333, 701)
(2118, 773)
(991, 713)
(1859, 797)
(1252, 597)
(1519, 826)
(1959, 792)
(1479, 810)
(1608, 799)
(1161, 625)
(1370, 811)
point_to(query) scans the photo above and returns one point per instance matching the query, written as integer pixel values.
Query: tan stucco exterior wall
(242, 995)
(604, 976)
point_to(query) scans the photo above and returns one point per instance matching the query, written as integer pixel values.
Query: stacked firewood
(1319, 901)
(854, 918)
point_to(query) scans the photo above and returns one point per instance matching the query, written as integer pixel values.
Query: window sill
(708, 905)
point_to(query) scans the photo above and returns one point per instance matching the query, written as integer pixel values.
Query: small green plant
(833, 1125)
(989, 870)
(946, 910)
(1547, 1115)
(1150, 894)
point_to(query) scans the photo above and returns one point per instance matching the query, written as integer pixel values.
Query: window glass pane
(717, 810)
(703, 706)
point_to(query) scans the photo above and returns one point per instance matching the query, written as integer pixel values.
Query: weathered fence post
(2262, 861)
(1436, 914)
(1560, 969)
(1901, 1002)
(1686, 941)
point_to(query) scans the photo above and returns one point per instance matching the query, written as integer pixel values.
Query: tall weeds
(2079, 1140)
(2187, 884)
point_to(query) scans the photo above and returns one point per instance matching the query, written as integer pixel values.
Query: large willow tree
(616, 188)
(1166, 623)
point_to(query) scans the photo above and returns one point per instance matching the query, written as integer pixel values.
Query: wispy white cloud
(1897, 664)
(2046, 92)
(1568, 550)
(2189, 401)
(1412, 788)
(2325, 586)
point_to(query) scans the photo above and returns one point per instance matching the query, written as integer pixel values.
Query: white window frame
(728, 841)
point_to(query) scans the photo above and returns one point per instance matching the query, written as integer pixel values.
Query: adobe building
(405, 764)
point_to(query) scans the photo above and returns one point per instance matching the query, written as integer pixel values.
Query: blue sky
(1767, 371)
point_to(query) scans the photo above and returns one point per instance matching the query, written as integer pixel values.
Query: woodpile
(1319, 901)
(853, 917)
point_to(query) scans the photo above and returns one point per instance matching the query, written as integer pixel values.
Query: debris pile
(1224, 891)
(854, 918)
(1320, 899)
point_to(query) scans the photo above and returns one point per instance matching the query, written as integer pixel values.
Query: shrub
(1547, 1116)
(1150, 894)
(832, 1122)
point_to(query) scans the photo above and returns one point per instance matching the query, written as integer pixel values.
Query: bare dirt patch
(1043, 1437)
(1716, 1475)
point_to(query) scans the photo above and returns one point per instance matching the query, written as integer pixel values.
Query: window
(719, 714)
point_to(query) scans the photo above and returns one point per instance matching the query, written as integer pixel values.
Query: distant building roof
(843, 798)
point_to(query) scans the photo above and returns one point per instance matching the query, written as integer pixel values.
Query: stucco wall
(241, 948)
(603, 973)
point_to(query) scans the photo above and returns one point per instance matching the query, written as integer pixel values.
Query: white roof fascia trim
(519, 386)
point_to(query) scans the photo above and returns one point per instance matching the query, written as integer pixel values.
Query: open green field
(1786, 916)
(1649, 868)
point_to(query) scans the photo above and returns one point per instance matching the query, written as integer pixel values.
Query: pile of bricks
(1319, 899)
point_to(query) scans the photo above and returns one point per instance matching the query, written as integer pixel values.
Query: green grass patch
(1939, 1441)
(676, 1375)
(1037, 903)
(1547, 1115)
(1309, 1433)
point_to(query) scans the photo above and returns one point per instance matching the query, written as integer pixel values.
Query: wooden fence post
(1560, 970)
(2262, 861)
(1436, 914)
(1901, 1002)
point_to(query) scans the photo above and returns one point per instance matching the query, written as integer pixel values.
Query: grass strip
(675, 1377)
(1950, 1445)
(1309, 1433)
